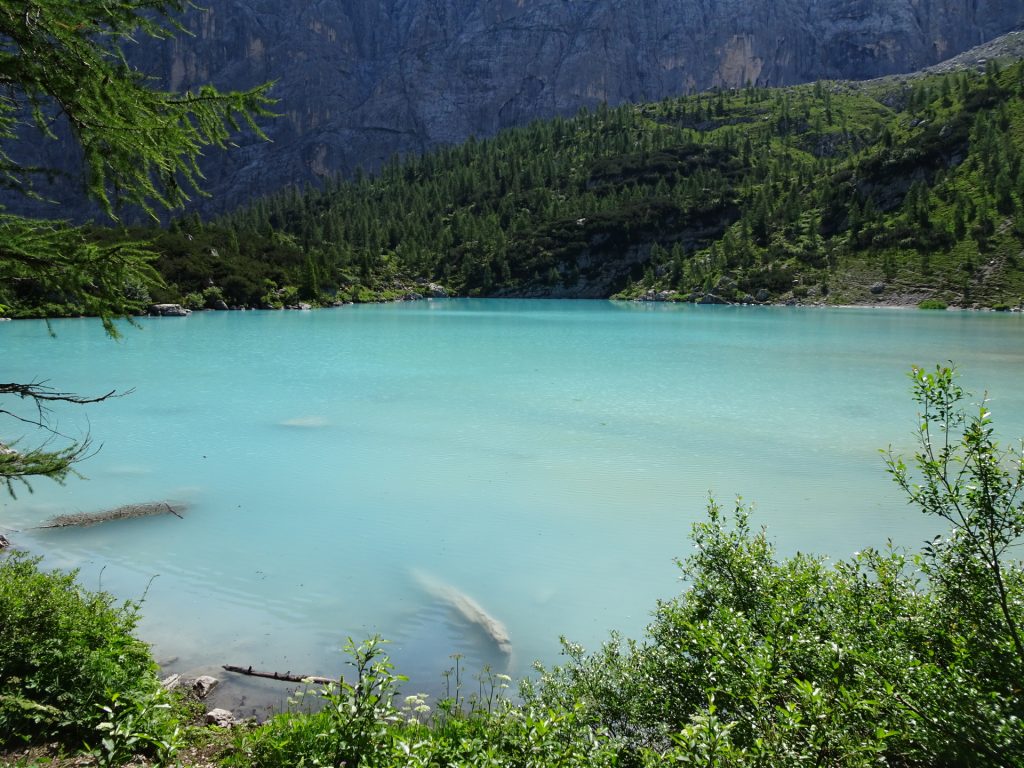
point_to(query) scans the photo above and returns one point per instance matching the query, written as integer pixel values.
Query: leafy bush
(361, 725)
(352, 726)
(765, 661)
(65, 654)
(193, 301)
(932, 304)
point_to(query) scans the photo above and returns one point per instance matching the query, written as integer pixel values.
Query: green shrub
(932, 304)
(881, 659)
(357, 720)
(360, 725)
(193, 301)
(65, 654)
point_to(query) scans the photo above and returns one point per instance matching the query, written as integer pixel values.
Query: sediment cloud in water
(307, 422)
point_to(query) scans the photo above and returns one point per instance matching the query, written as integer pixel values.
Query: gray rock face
(361, 80)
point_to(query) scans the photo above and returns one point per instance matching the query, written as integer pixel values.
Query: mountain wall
(360, 80)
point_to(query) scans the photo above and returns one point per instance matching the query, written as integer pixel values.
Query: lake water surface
(351, 471)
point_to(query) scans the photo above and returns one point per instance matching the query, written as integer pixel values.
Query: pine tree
(64, 61)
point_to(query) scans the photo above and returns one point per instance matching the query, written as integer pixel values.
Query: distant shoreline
(898, 303)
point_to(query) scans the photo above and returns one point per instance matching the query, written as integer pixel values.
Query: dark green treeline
(832, 192)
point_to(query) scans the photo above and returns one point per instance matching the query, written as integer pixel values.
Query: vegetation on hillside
(887, 658)
(896, 191)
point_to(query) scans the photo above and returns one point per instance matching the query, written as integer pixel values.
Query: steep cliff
(360, 80)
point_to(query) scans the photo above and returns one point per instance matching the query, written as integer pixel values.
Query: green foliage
(932, 304)
(70, 667)
(767, 661)
(352, 727)
(139, 724)
(359, 724)
(837, 184)
(966, 480)
(140, 144)
(49, 261)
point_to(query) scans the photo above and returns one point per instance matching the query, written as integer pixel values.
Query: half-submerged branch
(127, 512)
(287, 677)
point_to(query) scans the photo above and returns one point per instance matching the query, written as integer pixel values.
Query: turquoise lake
(358, 470)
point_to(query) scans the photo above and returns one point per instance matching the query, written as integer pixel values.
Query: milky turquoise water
(349, 471)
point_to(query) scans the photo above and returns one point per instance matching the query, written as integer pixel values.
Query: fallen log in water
(127, 512)
(468, 608)
(287, 677)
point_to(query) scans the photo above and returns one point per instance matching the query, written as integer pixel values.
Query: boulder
(712, 298)
(169, 310)
(877, 288)
(4, 542)
(171, 682)
(203, 684)
(762, 294)
(222, 718)
(436, 291)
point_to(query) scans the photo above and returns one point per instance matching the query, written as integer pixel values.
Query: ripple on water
(545, 459)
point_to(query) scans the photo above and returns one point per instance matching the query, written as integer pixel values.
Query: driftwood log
(287, 677)
(127, 512)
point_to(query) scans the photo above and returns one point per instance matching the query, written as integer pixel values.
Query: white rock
(171, 682)
(203, 685)
(222, 718)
